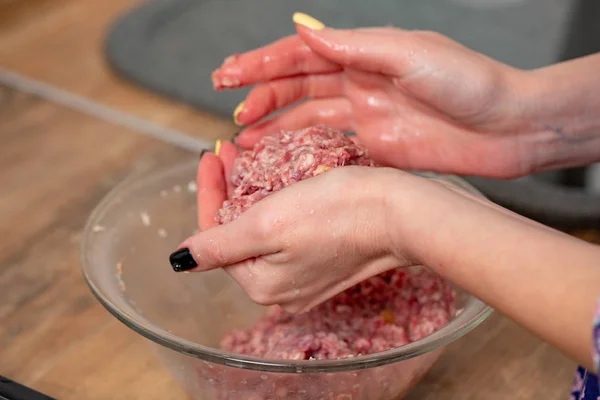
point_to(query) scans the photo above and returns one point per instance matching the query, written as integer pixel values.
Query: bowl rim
(138, 323)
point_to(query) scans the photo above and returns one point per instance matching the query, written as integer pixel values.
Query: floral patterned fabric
(587, 385)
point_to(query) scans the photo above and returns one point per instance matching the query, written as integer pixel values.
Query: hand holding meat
(418, 100)
(302, 245)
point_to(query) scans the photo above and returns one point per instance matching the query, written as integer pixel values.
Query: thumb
(377, 50)
(225, 245)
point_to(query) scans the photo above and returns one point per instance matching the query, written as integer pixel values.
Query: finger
(228, 154)
(224, 245)
(272, 96)
(257, 286)
(382, 51)
(335, 113)
(211, 190)
(286, 57)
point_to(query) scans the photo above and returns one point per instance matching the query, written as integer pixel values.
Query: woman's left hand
(302, 245)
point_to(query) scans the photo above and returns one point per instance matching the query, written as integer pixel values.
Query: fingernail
(224, 82)
(218, 147)
(237, 111)
(182, 260)
(230, 59)
(308, 21)
(202, 153)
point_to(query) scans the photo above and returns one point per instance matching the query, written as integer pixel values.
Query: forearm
(543, 279)
(562, 102)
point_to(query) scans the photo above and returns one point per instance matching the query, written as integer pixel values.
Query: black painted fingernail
(182, 260)
(202, 153)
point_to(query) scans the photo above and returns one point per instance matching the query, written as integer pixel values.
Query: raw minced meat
(383, 312)
(284, 158)
(386, 311)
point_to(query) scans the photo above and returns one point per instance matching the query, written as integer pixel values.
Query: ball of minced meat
(284, 158)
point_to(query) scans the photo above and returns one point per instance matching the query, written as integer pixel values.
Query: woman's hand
(303, 244)
(417, 100)
(315, 238)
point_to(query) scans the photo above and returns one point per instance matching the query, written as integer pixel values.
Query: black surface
(10, 390)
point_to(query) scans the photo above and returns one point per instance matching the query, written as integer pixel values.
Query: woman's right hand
(417, 100)
(543, 279)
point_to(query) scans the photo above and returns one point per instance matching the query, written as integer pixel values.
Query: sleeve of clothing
(586, 385)
(596, 336)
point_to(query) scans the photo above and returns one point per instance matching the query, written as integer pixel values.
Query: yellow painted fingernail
(237, 111)
(217, 148)
(308, 21)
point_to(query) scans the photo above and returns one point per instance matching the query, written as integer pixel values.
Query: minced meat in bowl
(193, 318)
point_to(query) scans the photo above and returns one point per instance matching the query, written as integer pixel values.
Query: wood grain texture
(56, 164)
(498, 360)
(54, 335)
(60, 42)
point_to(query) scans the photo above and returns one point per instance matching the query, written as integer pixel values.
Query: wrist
(557, 109)
(411, 208)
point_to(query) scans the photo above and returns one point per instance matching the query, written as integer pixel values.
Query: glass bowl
(125, 249)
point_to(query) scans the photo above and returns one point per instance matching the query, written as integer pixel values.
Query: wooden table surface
(56, 164)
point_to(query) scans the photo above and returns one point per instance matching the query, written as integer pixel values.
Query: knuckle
(428, 35)
(311, 86)
(261, 297)
(276, 101)
(213, 253)
(302, 58)
(293, 308)
(264, 227)
(283, 257)
(268, 225)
